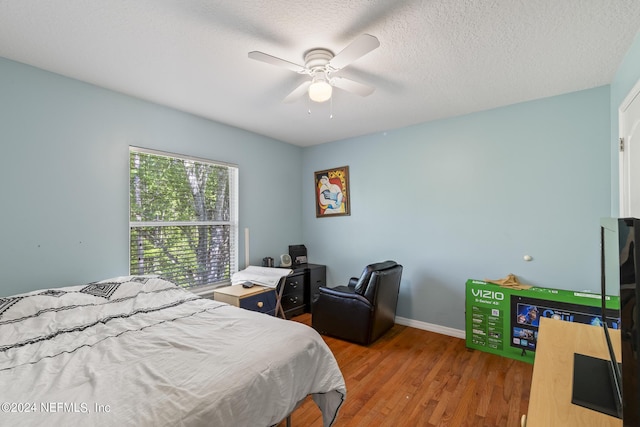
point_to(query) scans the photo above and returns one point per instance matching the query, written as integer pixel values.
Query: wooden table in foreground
(551, 386)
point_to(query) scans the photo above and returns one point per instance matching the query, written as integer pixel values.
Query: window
(183, 218)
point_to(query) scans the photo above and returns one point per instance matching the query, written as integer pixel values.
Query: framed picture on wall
(332, 192)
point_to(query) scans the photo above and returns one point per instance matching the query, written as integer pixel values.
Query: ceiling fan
(321, 65)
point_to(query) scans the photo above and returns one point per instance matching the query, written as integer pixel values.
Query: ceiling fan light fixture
(320, 90)
(319, 64)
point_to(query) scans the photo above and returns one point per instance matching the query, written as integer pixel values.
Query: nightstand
(292, 292)
(301, 288)
(255, 298)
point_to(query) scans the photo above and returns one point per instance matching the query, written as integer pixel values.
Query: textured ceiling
(437, 58)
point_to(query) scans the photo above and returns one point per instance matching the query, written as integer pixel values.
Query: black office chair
(363, 310)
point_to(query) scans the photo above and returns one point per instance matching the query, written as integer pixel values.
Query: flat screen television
(605, 385)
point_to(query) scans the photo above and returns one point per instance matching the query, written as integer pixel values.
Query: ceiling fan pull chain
(331, 108)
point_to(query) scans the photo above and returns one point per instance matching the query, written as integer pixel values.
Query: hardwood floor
(412, 377)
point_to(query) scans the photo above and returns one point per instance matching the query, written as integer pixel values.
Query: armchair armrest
(353, 281)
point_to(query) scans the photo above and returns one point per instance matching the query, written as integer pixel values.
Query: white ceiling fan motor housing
(317, 59)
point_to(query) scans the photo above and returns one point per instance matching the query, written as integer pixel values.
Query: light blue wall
(467, 198)
(451, 200)
(64, 174)
(626, 77)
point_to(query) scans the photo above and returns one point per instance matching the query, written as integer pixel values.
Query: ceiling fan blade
(297, 92)
(261, 56)
(352, 86)
(357, 49)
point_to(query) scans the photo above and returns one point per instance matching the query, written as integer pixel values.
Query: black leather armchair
(364, 309)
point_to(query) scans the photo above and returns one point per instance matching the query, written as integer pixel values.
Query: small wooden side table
(256, 298)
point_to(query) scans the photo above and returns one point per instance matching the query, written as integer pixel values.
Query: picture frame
(332, 192)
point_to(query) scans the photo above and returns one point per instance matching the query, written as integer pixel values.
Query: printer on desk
(298, 254)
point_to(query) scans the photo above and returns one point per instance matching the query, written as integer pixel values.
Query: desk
(294, 295)
(551, 386)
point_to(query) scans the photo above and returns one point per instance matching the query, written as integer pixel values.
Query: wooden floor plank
(411, 377)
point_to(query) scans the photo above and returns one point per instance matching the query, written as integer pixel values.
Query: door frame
(623, 159)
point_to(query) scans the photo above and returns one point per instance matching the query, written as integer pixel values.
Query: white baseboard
(431, 327)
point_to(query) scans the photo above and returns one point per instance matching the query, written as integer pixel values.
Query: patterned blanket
(140, 351)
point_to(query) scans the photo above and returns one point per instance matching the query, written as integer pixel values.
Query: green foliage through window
(183, 221)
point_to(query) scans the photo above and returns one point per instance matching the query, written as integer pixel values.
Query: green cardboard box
(504, 321)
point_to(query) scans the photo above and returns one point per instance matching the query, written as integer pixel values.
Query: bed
(141, 351)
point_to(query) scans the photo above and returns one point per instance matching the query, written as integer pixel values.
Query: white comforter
(139, 351)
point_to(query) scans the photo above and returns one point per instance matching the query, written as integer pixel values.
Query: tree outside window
(183, 218)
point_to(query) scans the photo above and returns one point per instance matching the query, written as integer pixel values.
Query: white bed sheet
(140, 351)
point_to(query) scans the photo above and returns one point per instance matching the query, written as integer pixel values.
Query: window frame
(233, 222)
